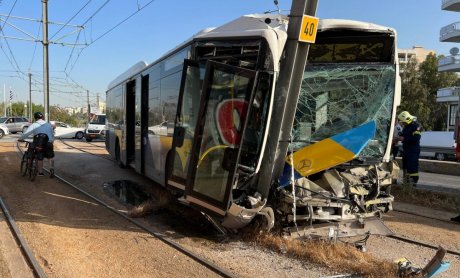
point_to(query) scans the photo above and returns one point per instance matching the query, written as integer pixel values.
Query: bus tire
(118, 155)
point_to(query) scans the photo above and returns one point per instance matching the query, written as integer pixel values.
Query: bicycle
(29, 161)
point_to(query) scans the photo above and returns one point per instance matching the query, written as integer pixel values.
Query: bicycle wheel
(24, 165)
(33, 170)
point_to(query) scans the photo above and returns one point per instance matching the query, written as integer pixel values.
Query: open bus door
(207, 140)
(457, 135)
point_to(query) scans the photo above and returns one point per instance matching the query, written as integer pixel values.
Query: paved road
(439, 182)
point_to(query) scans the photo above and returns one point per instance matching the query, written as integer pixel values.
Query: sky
(94, 41)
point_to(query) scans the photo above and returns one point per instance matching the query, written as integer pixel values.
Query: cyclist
(42, 127)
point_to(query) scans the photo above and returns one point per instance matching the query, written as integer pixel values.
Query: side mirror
(179, 133)
(229, 160)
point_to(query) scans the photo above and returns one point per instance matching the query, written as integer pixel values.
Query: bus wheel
(118, 156)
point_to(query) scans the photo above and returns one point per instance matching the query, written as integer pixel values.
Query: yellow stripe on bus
(320, 156)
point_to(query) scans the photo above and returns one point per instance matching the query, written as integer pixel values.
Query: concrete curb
(438, 167)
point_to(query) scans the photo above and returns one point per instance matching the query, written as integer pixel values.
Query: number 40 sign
(308, 29)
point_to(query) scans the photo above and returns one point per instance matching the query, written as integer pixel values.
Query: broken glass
(336, 98)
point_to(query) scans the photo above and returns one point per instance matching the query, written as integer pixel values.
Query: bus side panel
(152, 140)
(115, 112)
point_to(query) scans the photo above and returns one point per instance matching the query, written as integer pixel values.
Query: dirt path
(72, 236)
(75, 237)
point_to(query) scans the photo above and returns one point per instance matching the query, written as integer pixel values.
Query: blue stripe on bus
(356, 139)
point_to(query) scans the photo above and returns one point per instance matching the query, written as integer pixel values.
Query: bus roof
(272, 27)
(325, 24)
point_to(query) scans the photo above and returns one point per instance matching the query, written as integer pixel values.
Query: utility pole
(4, 98)
(89, 108)
(30, 96)
(97, 102)
(45, 58)
(287, 93)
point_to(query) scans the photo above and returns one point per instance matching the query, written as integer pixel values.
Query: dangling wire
(294, 206)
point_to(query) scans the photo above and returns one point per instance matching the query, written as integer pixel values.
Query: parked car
(95, 129)
(3, 130)
(439, 145)
(165, 128)
(63, 130)
(15, 124)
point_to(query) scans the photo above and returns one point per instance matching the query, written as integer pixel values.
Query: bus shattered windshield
(336, 98)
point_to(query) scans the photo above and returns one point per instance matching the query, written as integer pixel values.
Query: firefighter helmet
(405, 117)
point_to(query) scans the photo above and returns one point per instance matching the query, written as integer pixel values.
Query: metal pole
(89, 108)
(97, 103)
(30, 96)
(45, 59)
(4, 98)
(286, 95)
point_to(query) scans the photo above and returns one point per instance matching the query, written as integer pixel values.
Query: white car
(63, 130)
(3, 130)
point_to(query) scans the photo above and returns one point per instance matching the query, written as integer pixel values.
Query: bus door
(141, 122)
(137, 125)
(212, 159)
(184, 126)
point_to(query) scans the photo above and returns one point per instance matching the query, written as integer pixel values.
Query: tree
(419, 90)
(414, 96)
(434, 80)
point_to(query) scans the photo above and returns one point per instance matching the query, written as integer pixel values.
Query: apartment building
(450, 63)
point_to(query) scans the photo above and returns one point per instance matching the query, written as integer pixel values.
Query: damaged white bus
(198, 119)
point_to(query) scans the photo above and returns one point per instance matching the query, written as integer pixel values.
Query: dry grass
(162, 200)
(338, 257)
(435, 200)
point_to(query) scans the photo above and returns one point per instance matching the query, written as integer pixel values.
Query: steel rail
(424, 216)
(82, 150)
(22, 243)
(216, 269)
(424, 244)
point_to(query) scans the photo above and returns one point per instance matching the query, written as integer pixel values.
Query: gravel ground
(101, 245)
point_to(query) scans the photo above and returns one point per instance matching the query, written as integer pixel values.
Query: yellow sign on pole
(308, 29)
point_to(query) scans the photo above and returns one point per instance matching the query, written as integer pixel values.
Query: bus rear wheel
(118, 155)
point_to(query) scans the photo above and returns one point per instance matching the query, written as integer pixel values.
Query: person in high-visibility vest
(410, 138)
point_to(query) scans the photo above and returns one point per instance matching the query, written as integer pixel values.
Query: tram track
(423, 216)
(85, 151)
(420, 243)
(202, 261)
(21, 242)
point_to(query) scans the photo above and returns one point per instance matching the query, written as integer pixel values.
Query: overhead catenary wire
(9, 13)
(35, 48)
(71, 18)
(75, 54)
(121, 22)
(140, 8)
